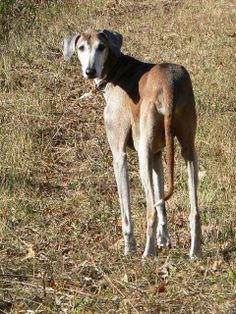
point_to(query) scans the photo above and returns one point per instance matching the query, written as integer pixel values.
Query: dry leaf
(86, 96)
(125, 278)
(86, 262)
(52, 283)
(30, 253)
(97, 238)
(161, 287)
(216, 266)
(119, 222)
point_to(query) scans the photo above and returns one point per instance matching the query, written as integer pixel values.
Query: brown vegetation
(60, 247)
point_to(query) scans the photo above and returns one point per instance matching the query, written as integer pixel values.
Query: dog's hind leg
(163, 239)
(190, 157)
(145, 168)
(185, 132)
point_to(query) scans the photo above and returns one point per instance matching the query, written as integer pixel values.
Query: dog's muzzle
(91, 73)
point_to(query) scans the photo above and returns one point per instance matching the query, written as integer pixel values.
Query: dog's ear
(69, 45)
(114, 39)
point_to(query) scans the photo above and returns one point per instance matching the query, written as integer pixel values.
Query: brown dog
(146, 106)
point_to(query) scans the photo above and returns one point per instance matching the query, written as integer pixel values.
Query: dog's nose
(91, 72)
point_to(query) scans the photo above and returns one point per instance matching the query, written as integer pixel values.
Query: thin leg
(194, 217)
(185, 129)
(163, 239)
(122, 179)
(145, 166)
(117, 124)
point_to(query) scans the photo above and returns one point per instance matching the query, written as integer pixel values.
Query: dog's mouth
(90, 77)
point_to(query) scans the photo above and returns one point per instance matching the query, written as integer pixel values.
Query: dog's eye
(81, 48)
(101, 47)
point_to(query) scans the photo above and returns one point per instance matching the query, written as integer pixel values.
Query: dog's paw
(163, 239)
(130, 245)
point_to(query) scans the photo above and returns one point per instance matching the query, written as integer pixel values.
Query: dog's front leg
(122, 179)
(117, 126)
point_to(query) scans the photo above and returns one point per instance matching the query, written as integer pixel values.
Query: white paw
(163, 242)
(163, 239)
(149, 254)
(195, 254)
(130, 245)
(150, 250)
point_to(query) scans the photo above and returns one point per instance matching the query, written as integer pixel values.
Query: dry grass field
(60, 231)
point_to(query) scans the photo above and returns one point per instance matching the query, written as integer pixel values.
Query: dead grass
(59, 214)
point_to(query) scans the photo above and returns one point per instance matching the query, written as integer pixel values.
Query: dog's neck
(110, 71)
(119, 70)
(124, 71)
(114, 69)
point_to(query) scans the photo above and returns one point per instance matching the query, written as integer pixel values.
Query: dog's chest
(123, 116)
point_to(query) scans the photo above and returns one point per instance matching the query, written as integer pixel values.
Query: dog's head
(93, 49)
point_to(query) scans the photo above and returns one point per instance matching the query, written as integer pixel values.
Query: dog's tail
(168, 95)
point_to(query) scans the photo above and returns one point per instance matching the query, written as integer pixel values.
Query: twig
(44, 288)
(114, 286)
(33, 277)
(23, 283)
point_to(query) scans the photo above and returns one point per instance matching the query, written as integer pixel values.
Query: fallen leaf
(216, 266)
(119, 222)
(97, 238)
(52, 283)
(162, 287)
(86, 262)
(30, 253)
(86, 95)
(125, 278)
